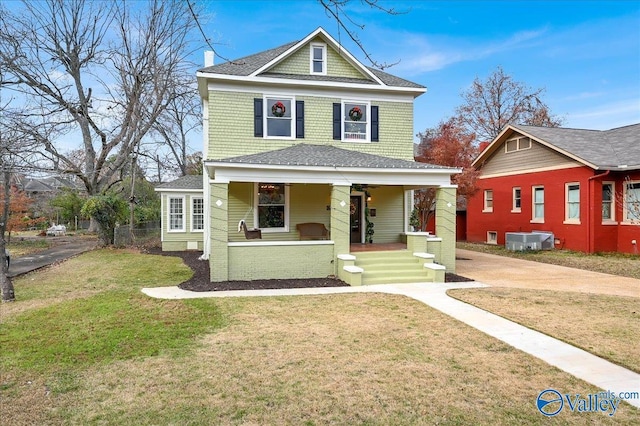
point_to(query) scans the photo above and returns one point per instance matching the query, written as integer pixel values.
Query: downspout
(590, 242)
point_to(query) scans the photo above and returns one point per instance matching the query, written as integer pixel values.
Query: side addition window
(197, 214)
(632, 202)
(517, 200)
(176, 214)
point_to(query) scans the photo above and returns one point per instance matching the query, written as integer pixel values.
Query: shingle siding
(231, 129)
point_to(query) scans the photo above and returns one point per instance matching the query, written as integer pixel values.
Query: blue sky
(586, 54)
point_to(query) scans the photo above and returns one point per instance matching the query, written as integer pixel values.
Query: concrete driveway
(63, 249)
(499, 271)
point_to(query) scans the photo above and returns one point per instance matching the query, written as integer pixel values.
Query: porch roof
(308, 163)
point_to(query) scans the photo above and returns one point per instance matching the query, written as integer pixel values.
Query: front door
(356, 219)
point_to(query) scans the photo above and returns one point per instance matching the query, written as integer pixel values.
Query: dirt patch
(200, 279)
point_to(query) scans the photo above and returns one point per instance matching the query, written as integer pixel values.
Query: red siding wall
(588, 236)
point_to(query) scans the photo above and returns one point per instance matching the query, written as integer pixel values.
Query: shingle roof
(325, 156)
(249, 64)
(184, 182)
(606, 149)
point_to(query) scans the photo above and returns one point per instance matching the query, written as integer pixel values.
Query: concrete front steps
(385, 267)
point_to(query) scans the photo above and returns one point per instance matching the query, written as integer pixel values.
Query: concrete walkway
(588, 367)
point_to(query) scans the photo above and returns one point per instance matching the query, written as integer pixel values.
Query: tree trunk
(6, 285)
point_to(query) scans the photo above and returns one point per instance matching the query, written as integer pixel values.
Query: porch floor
(354, 248)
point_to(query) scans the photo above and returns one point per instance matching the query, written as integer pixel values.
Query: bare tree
(499, 100)
(103, 72)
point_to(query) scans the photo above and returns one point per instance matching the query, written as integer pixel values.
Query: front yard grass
(625, 265)
(82, 345)
(607, 326)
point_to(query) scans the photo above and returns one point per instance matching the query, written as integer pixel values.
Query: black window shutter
(375, 124)
(300, 119)
(337, 121)
(257, 117)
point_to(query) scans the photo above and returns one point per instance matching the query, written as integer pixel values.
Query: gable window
(318, 59)
(272, 214)
(176, 214)
(488, 201)
(516, 206)
(537, 215)
(197, 214)
(632, 202)
(608, 206)
(517, 144)
(572, 209)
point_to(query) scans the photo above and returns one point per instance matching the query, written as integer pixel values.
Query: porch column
(219, 231)
(340, 220)
(446, 225)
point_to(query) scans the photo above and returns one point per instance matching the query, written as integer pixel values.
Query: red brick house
(581, 185)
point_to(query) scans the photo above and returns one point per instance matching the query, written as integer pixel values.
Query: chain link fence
(143, 234)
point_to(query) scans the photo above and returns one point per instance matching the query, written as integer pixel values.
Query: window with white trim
(279, 117)
(355, 121)
(632, 202)
(318, 59)
(197, 214)
(608, 202)
(572, 203)
(537, 214)
(516, 206)
(517, 144)
(492, 237)
(176, 214)
(488, 201)
(272, 212)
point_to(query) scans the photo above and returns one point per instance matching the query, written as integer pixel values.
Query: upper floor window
(632, 202)
(517, 144)
(537, 215)
(176, 214)
(197, 214)
(355, 121)
(572, 209)
(279, 117)
(272, 214)
(488, 201)
(608, 202)
(318, 59)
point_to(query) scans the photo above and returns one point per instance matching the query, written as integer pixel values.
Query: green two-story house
(315, 150)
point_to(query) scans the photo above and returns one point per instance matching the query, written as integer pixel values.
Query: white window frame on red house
(516, 206)
(572, 203)
(610, 203)
(488, 201)
(175, 217)
(537, 203)
(631, 206)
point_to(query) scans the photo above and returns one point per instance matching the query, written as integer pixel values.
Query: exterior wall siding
(178, 241)
(389, 221)
(231, 134)
(298, 63)
(537, 157)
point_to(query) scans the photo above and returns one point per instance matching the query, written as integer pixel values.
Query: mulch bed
(200, 279)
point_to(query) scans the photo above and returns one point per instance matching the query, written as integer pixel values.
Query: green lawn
(83, 345)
